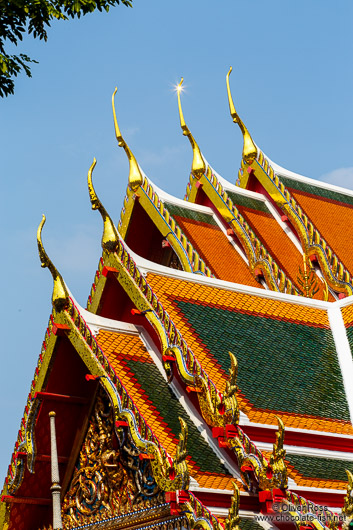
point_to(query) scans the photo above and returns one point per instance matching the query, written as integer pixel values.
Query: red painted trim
(252, 503)
(334, 500)
(61, 397)
(47, 458)
(223, 500)
(301, 439)
(25, 500)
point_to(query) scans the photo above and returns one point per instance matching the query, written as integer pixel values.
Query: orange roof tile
(215, 249)
(172, 290)
(333, 219)
(278, 244)
(121, 347)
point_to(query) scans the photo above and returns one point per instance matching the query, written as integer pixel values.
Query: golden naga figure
(217, 411)
(348, 500)
(233, 519)
(266, 475)
(175, 477)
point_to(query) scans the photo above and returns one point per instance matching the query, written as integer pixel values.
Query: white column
(55, 488)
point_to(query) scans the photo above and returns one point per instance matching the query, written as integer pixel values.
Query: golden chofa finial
(198, 164)
(60, 295)
(135, 175)
(110, 238)
(249, 148)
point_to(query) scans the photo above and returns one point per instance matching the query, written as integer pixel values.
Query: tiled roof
(319, 472)
(334, 220)
(249, 524)
(159, 406)
(276, 343)
(213, 246)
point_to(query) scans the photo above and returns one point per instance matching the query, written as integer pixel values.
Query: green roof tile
(283, 366)
(320, 468)
(248, 202)
(316, 190)
(179, 211)
(158, 391)
(249, 524)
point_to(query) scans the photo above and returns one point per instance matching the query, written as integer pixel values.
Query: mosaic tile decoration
(263, 334)
(159, 406)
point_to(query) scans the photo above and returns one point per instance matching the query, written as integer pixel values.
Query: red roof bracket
(109, 271)
(231, 431)
(61, 397)
(168, 358)
(25, 500)
(121, 423)
(222, 442)
(60, 329)
(193, 389)
(217, 432)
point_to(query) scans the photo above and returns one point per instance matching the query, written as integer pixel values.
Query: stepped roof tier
(208, 382)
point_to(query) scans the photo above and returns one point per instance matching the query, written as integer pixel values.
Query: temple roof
(218, 333)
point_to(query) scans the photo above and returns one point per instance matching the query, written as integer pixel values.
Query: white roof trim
(313, 182)
(245, 421)
(308, 451)
(343, 352)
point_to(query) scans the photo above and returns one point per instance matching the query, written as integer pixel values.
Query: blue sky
(292, 83)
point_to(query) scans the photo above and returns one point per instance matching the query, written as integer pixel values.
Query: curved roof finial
(198, 164)
(60, 294)
(135, 175)
(110, 237)
(249, 148)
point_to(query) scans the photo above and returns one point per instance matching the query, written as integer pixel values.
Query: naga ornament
(218, 410)
(258, 473)
(348, 501)
(175, 476)
(233, 519)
